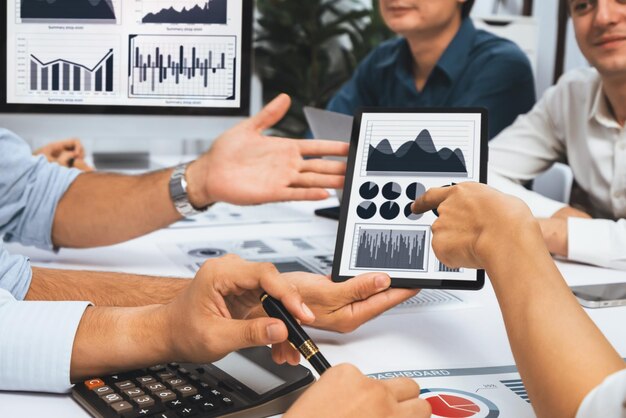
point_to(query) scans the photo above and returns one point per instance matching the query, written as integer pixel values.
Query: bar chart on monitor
(177, 66)
(432, 148)
(69, 67)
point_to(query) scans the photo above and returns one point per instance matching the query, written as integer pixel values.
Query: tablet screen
(395, 156)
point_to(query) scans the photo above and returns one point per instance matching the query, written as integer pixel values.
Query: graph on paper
(69, 11)
(63, 75)
(390, 249)
(182, 66)
(185, 12)
(419, 148)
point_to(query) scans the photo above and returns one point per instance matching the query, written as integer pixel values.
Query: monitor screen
(126, 56)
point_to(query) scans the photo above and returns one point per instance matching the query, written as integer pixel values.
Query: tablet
(395, 156)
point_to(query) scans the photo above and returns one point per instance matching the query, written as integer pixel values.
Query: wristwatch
(178, 193)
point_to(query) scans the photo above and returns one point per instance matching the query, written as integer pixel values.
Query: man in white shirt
(580, 122)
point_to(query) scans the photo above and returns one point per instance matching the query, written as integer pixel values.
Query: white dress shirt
(607, 400)
(36, 338)
(571, 124)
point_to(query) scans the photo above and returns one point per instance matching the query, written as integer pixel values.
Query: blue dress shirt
(36, 338)
(478, 69)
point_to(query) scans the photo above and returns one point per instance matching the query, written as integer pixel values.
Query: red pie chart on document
(452, 403)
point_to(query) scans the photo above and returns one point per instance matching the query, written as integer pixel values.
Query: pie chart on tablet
(451, 403)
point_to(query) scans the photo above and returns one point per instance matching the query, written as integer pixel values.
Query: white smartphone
(601, 295)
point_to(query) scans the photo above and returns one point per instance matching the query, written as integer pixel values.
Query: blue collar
(452, 62)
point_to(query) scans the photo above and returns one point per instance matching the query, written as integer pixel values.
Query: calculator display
(251, 374)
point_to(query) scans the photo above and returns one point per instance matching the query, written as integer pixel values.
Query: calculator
(246, 383)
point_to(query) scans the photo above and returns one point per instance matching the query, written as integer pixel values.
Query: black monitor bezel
(242, 110)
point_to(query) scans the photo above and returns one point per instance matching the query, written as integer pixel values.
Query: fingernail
(382, 282)
(307, 311)
(274, 333)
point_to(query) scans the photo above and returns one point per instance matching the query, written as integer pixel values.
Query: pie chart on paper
(451, 403)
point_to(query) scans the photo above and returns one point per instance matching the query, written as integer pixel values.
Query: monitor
(174, 57)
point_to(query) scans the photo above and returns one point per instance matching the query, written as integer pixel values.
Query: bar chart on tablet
(376, 248)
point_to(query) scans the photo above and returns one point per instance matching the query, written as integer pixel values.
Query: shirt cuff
(600, 242)
(606, 400)
(36, 341)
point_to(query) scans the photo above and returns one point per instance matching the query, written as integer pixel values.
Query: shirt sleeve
(607, 400)
(608, 238)
(527, 149)
(30, 189)
(36, 340)
(353, 94)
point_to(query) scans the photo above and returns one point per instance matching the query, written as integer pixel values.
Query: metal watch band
(178, 193)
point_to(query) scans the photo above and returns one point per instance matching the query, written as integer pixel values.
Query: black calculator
(246, 383)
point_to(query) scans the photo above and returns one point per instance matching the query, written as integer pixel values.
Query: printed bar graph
(63, 75)
(182, 66)
(445, 269)
(391, 249)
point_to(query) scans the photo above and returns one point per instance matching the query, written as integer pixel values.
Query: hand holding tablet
(395, 156)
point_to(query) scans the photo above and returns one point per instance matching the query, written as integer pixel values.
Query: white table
(431, 339)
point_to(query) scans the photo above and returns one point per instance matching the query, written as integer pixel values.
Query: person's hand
(345, 306)
(570, 212)
(475, 223)
(244, 167)
(344, 392)
(68, 153)
(210, 318)
(342, 307)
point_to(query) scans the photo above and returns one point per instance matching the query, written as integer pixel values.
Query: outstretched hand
(244, 167)
(68, 153)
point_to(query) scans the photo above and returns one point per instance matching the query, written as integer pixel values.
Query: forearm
(559, 351)
(103, 289)
(111, 340)
(104, 209)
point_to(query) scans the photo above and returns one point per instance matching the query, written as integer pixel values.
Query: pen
(297, 336)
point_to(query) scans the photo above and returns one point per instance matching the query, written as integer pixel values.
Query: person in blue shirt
(440, 60)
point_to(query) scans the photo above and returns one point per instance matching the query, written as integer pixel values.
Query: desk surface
(413, 340)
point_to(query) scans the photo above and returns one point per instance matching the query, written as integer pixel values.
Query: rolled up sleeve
(607, 400)
(36, 340)
(600, 242)
(30, 190)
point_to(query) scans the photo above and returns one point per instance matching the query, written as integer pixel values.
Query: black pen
(297, 336)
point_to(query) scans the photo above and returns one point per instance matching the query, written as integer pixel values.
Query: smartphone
(601, 295)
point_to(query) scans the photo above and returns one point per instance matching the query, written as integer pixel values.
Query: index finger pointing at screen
(431, 199)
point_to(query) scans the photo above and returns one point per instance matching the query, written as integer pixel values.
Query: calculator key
(174, 365)
(197, 398)
(176, 403)
(146, 380)
(188, 411)
(182, 370)
(166, 375)
(225, 385)
(144, 401)
(103, 390)
(126, 384)
(208, 406)
(186, 390)
(133, 392)
(176, 382)
(226, 401)
(94, 383)
(122, 408)
(200, 370)
(166, 414)
(216, 393)
(157, 368)
(165, 395)
(155, 387)
(149, 411)
(112, 398)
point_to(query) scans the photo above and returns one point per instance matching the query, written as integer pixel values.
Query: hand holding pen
(298, 338)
